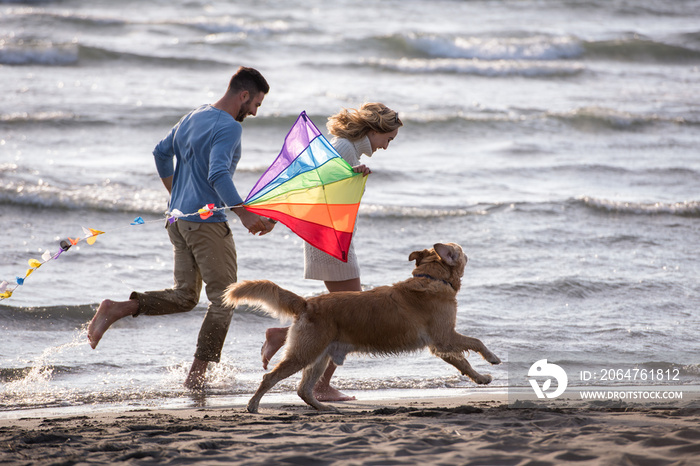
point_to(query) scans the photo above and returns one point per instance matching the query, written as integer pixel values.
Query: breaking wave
(48, 53)
(475, 66)
(682, 209)
(539, 47)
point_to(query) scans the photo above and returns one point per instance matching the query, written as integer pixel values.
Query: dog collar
(425, 275)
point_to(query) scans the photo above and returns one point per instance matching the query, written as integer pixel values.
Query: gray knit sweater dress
(319, 265)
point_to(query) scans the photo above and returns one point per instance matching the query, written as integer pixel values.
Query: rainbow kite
(311, 189)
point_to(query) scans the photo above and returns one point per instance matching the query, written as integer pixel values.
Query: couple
(206, 145)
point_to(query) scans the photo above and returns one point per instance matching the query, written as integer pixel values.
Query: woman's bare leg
(346, 285)
(323, 390)
(274, 340)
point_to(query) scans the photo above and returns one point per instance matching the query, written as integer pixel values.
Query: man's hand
(253, 222)
(269, 225)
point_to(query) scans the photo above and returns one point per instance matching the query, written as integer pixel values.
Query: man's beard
(243, 112)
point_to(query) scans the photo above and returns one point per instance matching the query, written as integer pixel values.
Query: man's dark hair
(248, 79)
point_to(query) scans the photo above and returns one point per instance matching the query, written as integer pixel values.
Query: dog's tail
(274, 300)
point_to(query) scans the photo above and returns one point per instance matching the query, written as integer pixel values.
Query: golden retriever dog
(407, 316)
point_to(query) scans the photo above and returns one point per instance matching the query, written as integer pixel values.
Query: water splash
(222, 375)
(35, 387)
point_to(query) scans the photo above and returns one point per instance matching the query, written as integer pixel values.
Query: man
(207, 146)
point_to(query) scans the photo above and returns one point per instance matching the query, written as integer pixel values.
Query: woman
(356, 132)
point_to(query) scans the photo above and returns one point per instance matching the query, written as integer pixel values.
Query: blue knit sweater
(206, 143)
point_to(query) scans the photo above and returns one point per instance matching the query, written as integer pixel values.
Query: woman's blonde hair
(354, 124)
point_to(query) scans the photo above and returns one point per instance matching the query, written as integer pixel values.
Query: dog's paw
(492, 358)
(483, 379)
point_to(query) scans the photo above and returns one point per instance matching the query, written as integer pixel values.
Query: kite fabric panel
(311, 189)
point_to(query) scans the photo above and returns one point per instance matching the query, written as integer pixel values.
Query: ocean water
(556, 141)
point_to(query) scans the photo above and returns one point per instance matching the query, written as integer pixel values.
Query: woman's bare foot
(108, 313)
(324, 392)
(274, 340)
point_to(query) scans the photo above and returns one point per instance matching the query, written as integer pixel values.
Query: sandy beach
(455, 430)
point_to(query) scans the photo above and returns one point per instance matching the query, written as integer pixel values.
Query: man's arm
(223, 160)
(168, 183)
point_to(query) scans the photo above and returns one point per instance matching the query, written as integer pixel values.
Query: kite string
(7, 288)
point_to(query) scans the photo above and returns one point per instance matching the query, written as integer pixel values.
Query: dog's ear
(448, 253)
(418, 256)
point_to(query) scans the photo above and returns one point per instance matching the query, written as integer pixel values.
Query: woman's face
(381, 140)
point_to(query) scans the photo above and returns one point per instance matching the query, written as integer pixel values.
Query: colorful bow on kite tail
(311, 189)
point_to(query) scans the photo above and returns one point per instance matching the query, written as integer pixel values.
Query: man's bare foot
(108, 313)
(195, 378)
(324, 392)
(274, 340)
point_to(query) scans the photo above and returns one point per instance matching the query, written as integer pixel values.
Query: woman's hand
(364, 169)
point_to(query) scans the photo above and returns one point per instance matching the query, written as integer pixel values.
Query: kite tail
(274, 300)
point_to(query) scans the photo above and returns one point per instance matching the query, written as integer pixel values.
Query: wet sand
(456, 430)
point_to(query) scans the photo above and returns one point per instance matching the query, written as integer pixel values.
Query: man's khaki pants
(203, 252)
